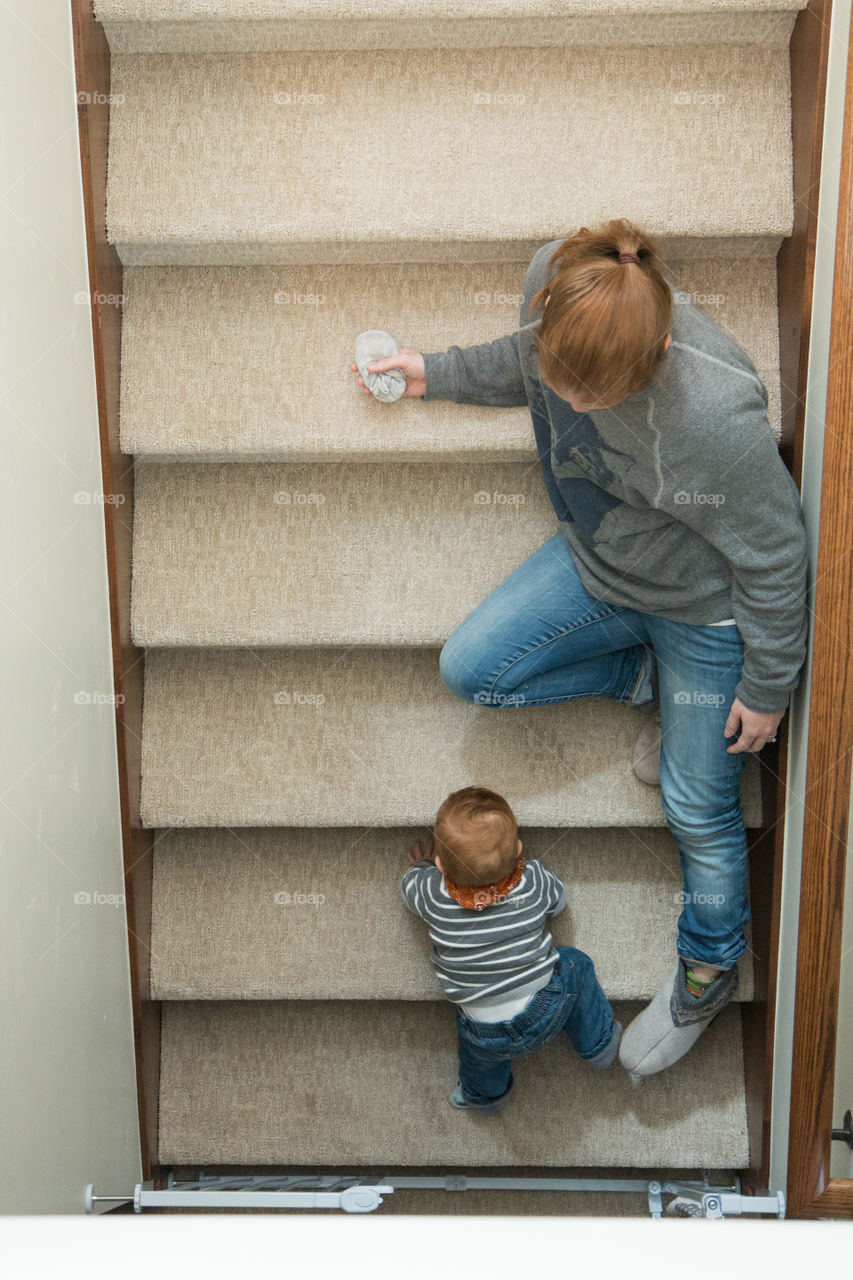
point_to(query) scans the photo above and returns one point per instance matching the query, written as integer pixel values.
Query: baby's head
(476, 837)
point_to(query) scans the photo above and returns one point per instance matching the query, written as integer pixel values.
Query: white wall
(67, 1087)
(810, 490)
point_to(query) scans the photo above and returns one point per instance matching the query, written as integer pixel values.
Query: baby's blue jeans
(572, 1001)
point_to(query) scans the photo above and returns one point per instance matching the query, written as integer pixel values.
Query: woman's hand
(412, 364)
(416, 853)
(756, 727)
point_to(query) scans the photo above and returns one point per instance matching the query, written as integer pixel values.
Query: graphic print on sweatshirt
(581, 472)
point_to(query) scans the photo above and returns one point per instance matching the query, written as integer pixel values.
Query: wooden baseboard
(92, 64)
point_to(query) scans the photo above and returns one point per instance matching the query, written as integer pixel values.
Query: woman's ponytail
(608, 312)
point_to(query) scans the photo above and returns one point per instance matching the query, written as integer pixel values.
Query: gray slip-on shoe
(646, 758)
(673, 1022)
(372, 345)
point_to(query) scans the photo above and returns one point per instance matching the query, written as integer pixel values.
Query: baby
(485, 907)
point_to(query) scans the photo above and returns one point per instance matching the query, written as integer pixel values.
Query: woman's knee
(705, 818)
(703, 795)
(701, 820)
(461, 670)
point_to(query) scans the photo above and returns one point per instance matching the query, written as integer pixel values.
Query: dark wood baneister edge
(796, 259)
(812, 1192)
(795, 276)
(92, 64)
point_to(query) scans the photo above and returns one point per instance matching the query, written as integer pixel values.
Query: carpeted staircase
(284, 174)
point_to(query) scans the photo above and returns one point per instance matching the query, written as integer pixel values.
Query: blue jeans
(540, 638)
(572, 1002)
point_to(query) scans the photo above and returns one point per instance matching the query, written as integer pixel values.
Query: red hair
(603, 330)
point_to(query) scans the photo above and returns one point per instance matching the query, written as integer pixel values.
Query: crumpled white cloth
(375, 344)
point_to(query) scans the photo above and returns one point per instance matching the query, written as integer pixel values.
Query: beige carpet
(217, 361)
(569, 136)
(371, 737)
(362, 1081)
(264, 25)
(315, 914)
(300, 555)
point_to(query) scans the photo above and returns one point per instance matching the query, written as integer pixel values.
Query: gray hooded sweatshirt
(676, 502)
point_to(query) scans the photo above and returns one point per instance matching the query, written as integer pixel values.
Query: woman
(677, 581)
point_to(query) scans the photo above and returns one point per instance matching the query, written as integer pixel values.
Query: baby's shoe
(606, 1056)
(673, 1022)
(372, 345)
(457, 1099)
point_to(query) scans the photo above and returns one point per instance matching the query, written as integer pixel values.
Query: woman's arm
(487, 374)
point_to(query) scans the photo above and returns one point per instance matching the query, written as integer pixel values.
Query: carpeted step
(411, 154)
(274, 914)
(236, 363)
(338, 737)
(319, 555)
(358, 1082)
(264, 25)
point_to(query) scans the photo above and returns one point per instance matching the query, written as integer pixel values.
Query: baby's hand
(416, 853)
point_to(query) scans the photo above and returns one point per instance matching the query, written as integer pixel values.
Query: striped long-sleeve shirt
(489, 956)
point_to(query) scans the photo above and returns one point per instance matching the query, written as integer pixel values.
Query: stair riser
(385, 250)
(365, 34)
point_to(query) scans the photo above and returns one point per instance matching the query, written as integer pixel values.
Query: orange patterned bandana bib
(477, 897)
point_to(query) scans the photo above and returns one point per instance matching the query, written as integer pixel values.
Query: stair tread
(362, 1082)
(227, 124)
(219, 932)
(394, 554)
(214, 367)
(371, 737)
(263, 25)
